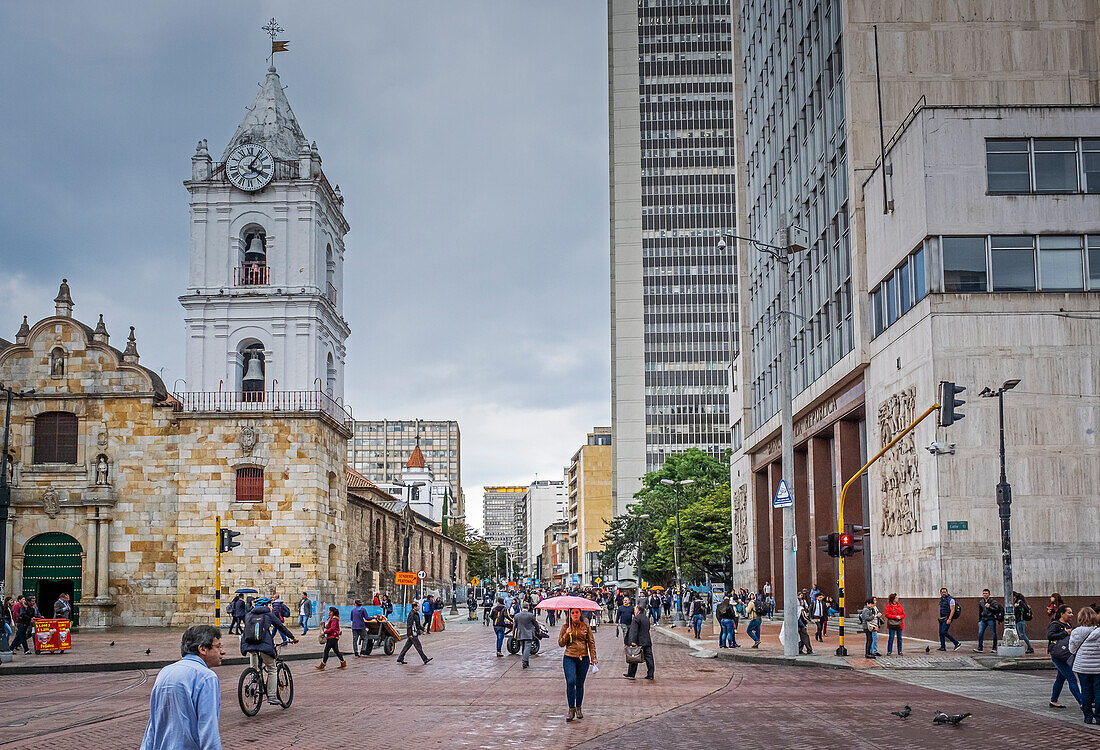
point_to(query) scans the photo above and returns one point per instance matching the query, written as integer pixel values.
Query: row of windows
(1043, 165)
(905, 287)
(656, 135)
(684, 38)
(651, 366)
(685, 56)
(680, 270)
(684, 153)
(708, 208)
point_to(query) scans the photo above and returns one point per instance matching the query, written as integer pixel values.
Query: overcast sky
(469, 140)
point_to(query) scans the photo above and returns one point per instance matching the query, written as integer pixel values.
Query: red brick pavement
(469, 698)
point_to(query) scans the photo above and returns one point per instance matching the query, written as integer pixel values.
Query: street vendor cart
(380, 632)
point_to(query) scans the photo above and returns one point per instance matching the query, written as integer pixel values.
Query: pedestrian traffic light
(831, 547)
(227, 543)
(846, 545)
(949, 404)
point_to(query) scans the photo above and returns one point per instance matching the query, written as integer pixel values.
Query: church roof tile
(416, 460)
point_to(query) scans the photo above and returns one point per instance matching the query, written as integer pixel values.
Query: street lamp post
(1010, 641)
(5, 503)
(680, 621)
(638, 559)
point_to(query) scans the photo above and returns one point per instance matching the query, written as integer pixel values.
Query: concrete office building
(554, 560)
(946, 257)
(542, 505)
(672, 288)
(588, 483)
(381, 447)
(499, 515)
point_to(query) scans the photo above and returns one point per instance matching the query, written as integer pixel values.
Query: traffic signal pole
(218, 572)
(841, 651)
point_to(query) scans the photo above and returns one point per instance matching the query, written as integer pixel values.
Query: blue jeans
(1021, 630)
(655, 613)
(983, 626)
(890, 642)
(945, 627)
(874, 642)
(697, 624)
(303, 620)
(576, 670)
(1090, 695)
(500, 637)
(1065, 674)
(753, 630)
(728, 637)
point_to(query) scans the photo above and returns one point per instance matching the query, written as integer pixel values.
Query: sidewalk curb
(834, 662)
(124, 666)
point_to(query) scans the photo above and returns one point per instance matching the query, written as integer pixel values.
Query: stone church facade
(117, 483)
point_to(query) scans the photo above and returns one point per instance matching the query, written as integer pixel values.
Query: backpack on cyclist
(254, 626)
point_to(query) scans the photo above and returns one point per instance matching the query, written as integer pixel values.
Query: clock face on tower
(250, 166)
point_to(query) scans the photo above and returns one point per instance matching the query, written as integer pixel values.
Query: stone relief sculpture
(899, 478)
(247, 438)
(741, 524)
(51, 501)
(57, 363)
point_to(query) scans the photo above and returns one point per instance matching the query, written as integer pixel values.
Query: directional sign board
(404, 579)
(783, 497)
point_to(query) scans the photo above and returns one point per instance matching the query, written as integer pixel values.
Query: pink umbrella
(569, 602)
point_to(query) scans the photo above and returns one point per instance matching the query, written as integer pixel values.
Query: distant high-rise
(500, 515)
(381, 447)
(673, 291)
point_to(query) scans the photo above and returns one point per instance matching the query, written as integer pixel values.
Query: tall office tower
(381, 447)
(844, 110)
(542, 505)
(673, 290)
(500, 515)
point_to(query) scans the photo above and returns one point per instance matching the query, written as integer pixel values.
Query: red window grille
(250, 484)
(55, 436)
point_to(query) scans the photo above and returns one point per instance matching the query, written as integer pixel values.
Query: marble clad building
(116, 482)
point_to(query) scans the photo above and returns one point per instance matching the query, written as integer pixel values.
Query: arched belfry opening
(253, 372)
(252, 270)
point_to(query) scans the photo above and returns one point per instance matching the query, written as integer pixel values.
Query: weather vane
(273, 29)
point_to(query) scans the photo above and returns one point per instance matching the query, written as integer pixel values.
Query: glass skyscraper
(673, 290)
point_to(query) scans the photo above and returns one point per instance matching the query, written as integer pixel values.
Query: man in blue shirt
(185, 703)
(358, 628)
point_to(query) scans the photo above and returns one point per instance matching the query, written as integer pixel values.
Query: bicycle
(252, 687)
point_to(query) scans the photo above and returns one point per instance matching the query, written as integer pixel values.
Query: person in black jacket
(1058, 647)
(258, 642)
(638, 635)
(413, 629)
(624, 615)
(989, 611)
(24, 624)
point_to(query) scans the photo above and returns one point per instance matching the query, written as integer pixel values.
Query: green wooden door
(52, 566)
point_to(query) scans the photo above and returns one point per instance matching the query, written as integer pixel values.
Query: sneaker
(399, 661)
(499, 654)
(957, 647)
(756, 644)
(941, 648)
(428, 659)
(273, 702)
(994, 649)
(1030, 650)
(975, 650)
(649, 678)
(628, 677)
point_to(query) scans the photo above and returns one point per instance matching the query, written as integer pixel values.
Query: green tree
(705, 544)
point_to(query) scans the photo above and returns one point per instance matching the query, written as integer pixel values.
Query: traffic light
(226, 542)
(846, 549)
(858, 533)
(949, 404)
(832, 544)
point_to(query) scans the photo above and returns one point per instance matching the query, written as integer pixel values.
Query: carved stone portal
(51, 501)
(900, 481)
(741, 524)
(247, 438)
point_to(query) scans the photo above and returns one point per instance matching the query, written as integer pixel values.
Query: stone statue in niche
(899, 478)
(51, 501)
(11, 468)
(101, 468)
(741, 524)
(57, 363)
(247, 438)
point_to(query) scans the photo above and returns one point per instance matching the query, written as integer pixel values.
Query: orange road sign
(405, 579)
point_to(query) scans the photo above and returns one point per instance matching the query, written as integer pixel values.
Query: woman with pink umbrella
(580, 648)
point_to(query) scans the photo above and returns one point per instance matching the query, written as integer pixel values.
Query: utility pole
(792, 240)
(5, 504)
(680, 622)
(1010, 640)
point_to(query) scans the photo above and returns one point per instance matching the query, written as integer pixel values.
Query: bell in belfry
(254, 375)
(255, 252)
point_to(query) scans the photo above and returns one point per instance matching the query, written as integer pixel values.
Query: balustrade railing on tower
(263, 401)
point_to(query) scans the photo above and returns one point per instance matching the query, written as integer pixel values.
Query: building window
(1061, 266)
(1007, 166)
(1090, 158)
(55, 437)
(963, 264)
(1055, 166)
(250, 484)
(1094, 261)
(1013, 262)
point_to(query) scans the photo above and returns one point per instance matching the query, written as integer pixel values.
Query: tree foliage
(705, 521)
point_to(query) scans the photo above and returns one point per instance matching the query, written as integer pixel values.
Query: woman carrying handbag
(331, 639)
(895, 622)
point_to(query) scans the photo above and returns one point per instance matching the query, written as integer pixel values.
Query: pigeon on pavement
(954, 719)
(111, 643)
(904, 713)
(148, 651)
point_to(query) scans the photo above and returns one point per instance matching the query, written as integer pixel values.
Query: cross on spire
(273, 29)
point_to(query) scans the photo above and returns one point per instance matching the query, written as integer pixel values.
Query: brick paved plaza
(468, 698)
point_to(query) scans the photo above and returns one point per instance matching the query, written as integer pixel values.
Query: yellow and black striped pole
(218, 572)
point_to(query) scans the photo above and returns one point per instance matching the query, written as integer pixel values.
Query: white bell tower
(264, 302)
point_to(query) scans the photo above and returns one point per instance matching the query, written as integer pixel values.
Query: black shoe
(524, 666)
(957, 647)
(428, 659)
(1030, 650)
(628, 677)
(941, 648)
(649, 677)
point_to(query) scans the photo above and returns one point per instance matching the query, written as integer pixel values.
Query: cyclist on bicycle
(258, 642)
